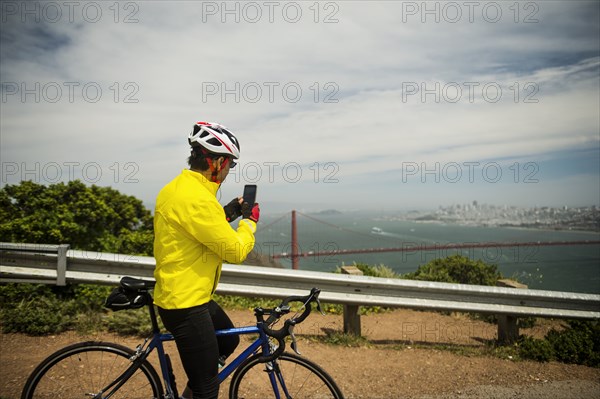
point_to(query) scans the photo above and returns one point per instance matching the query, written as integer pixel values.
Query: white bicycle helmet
(215, 138)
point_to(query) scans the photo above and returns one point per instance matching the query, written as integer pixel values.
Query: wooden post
(352, 312)
(294, 242)
(508, 329)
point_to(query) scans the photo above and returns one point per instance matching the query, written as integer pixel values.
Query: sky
(351, 105)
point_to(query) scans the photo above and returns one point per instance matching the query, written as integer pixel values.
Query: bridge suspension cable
(412, 248)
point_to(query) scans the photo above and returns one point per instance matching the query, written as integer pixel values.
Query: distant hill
(327, 212)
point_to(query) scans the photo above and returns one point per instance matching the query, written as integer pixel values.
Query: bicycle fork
(277, 380)
(274, 372)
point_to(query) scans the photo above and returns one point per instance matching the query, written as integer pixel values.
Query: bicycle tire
(83, 369)
(303, 379)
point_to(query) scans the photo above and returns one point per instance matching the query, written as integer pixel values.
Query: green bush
(38, 309)
(39, 316)
(91, 297)
(12, 293)
(535, 349)
(382, 271)
(457, 269)
(32, 309)
(578, 343)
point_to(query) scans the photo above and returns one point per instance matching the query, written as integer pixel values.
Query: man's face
(226, 162)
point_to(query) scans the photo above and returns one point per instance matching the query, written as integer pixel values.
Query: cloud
(380, 84)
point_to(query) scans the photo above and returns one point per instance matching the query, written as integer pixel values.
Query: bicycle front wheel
(291, 376)
(87, 370)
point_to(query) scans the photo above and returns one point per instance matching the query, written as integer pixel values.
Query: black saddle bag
(120, 299)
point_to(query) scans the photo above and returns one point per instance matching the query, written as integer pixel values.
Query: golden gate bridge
(295, 254)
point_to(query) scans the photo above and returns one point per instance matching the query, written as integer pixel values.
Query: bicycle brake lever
(319, 307)
(294, 344)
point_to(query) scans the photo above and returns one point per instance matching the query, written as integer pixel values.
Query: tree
(92, 218)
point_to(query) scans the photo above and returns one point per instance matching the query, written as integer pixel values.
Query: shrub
(39, 316)
(578, 343)
(13, 293)
(457, 269)
(377, 271)
(535, 349)
(91, 297)
(38, 309)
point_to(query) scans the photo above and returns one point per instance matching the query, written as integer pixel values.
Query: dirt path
(403, 359)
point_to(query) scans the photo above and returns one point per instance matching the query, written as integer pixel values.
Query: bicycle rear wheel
(295, 376)
(83, 370)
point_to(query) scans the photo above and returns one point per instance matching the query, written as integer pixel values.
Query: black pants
(198, 346)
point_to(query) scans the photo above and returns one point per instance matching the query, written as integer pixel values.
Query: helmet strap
(214, 170)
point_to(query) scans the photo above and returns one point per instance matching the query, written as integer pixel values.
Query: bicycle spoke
(296, 377)
(82, 371)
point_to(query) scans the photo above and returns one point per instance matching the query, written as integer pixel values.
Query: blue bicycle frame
(261, 342)
(262, 352)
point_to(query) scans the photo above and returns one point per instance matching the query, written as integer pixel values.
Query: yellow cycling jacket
(191, 241)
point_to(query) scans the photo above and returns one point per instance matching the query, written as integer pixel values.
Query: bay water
(572, 268)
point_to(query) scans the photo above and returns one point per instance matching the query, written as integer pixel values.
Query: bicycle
(103, 370)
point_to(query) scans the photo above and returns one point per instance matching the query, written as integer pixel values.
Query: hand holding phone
(250, 194)
(250, 209)
(233, 210)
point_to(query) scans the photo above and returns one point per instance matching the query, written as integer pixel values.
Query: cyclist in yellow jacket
(192, 239)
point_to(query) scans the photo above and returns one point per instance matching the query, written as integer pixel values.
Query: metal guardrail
(55, 264)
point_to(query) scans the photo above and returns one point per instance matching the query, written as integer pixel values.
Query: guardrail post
(352, 312)
(61, 265)
(508, 329)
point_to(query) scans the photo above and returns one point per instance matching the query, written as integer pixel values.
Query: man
(192, 239)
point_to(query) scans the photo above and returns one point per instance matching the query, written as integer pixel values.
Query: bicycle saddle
(135, 284)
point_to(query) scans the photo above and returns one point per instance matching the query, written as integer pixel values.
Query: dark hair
(197, 159)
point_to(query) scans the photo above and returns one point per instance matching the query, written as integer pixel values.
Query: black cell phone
(250, 194)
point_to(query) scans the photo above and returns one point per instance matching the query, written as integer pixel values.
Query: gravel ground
(410, 354)
(556, 390)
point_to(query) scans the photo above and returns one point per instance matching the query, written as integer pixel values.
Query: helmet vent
(214, 142)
